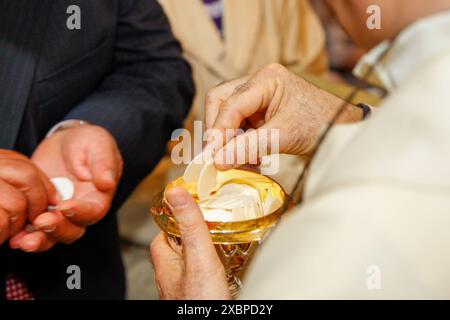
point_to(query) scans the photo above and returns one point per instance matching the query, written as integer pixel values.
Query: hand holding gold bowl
(241, 210)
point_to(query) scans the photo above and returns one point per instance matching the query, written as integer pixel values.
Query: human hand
(89, 156)
(25, 192)
(195, 271)
(273, 98)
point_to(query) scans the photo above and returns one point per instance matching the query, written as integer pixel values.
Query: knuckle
(275, 67)
(216, 92)
(275, 71)
(28, 171)
(15, 202)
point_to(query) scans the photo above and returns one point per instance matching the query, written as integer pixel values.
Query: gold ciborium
(235, 240)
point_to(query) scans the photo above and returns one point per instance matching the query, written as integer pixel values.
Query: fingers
(74, 155)
(250, 97)
(14, 203)
(105, 164)
(91, 154)
(58, 227)
(88, 210)
(169, 268)
(248, 148)
(198, 249)
(52, 194)
(48, 229)
(33, 242)
(244, 102)
(217, 96)
(252, 101)
(162, 253)
(25, 177)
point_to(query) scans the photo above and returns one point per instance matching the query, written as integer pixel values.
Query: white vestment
(375, 221)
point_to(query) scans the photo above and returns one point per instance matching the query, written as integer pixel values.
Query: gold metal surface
(243, 231)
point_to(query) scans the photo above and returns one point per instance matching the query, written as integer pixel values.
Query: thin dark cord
(340, 111)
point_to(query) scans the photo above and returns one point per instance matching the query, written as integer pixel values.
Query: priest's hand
(271, 99)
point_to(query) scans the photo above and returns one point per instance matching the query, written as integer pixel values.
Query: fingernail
(68, 213)
(13, 218)
(176, 198)
(67, 210)
(47, 228)
(65, 207)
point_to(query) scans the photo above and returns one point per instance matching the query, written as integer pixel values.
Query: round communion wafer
(232, 202)
(193, 169)
(64, 186)
(207, 180)
(218, 215)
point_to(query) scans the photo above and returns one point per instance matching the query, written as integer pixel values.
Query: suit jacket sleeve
(149, 92)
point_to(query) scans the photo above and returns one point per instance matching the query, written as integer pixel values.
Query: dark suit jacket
(124, 71)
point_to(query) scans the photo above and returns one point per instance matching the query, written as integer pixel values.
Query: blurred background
(227, 39)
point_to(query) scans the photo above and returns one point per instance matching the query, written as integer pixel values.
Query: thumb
(198, 248)
(104, 166)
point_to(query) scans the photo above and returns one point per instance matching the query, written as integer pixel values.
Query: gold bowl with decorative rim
(235, 241)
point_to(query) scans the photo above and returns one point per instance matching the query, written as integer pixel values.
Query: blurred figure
(227, 39)
(343, 53)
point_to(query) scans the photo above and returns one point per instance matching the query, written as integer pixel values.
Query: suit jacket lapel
(23, 27)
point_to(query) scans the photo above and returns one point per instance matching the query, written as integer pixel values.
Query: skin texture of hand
(25, 193)
(89, 156)
(194, 271)
(273, 98)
